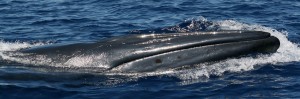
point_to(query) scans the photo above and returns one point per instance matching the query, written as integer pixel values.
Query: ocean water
(30, 23)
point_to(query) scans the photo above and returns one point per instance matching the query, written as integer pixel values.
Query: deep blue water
(26, 23)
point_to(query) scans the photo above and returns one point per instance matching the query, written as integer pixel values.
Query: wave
(288, 52)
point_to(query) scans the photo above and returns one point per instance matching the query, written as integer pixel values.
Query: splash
(8, 46)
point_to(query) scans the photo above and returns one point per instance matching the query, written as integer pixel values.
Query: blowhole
(178, 57)
(158, 61)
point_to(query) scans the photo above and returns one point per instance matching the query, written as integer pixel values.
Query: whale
(166, 51)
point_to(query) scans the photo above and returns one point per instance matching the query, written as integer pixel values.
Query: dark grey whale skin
(160, 52)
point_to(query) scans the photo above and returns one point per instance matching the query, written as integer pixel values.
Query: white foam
(8, 46)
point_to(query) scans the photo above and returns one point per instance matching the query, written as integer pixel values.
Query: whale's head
(158, 52)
